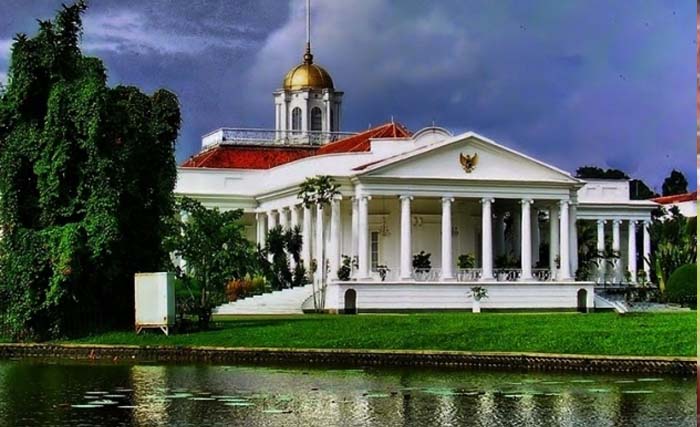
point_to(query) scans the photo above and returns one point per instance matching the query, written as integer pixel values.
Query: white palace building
(403, 192)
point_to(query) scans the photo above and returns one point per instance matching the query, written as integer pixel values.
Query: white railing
(507, 274)
(468, 274)
(426, 275)
(230, 136)
(542, 274)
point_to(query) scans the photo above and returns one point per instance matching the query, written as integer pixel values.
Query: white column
(535, 231)
(486, 240)
(525, 240)
(271, 219)
(295, 221)
(260, 228)
(284, 218)
(447, 262)
(319, 255)
(405, 267)
(499, 234)
(600, 247)
(632, 250)
(306, 238)
(363, 238)
(573, 238)
(565, 268)
(553, 239)
(354, 226)
(616, 246)
(647, 250)
(334, 243)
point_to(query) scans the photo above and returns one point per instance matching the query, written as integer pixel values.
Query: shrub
(237, 289)
(681, 287)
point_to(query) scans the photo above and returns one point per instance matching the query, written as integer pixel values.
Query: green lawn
(658, 334)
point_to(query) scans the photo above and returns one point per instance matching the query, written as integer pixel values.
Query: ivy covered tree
(213, 245)
(86, 179)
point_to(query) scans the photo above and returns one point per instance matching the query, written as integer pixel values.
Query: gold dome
(307, 75)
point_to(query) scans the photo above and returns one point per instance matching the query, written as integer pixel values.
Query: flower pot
(476, 306)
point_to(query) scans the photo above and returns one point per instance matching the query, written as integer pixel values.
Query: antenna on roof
(308, 57)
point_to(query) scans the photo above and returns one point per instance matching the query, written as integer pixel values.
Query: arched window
(316, 119)
(296, 118)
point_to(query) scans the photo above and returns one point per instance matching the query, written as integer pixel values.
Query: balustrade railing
(468, 274)
(271, 137)
(426, 274)
(542, 274)
(507, 274)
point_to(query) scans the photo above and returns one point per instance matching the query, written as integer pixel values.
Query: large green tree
(675, 183)
(215, 251)
(86, 179)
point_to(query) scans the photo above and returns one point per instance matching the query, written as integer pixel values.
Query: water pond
(34, 393)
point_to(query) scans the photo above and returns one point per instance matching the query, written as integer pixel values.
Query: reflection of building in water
(149, 384)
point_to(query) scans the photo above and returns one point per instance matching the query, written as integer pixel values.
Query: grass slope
(657, 334)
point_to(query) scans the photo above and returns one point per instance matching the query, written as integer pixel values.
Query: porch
(399, 296)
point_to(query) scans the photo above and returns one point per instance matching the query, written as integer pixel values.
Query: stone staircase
(286, 301)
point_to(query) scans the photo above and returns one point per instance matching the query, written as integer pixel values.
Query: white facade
(410, 195)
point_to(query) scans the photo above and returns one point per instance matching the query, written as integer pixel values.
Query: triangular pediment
(451, 160)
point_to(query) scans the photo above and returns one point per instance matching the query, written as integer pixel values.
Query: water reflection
(71, 394)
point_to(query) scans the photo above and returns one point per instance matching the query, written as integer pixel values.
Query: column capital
(617, 221)
(563, 203)
(601, 222)
(405, 197)
(526, 202)
(285, 209)
(448, 199)
(363, 197)
(633, 222)
(488, 200)
(337, 198)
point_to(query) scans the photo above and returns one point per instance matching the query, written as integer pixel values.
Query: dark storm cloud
(589, 82)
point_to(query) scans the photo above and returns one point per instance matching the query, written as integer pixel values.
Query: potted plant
(477, 293)
(346, 267)
(421, 263)
(382, 270)
(466, 261)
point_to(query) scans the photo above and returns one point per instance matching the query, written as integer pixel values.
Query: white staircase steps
(619, 306)
(285, 301)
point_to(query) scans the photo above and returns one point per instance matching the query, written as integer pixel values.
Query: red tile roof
(676, 198)
(247, 157)
(361, 141)
(266, 157)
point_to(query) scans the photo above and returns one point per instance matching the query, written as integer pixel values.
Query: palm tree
(318, 192)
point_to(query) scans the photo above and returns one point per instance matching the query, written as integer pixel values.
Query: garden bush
(682, 285)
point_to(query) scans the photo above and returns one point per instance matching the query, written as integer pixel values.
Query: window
(296, 118)
(374, 250)
(332, 126)
(316, 119)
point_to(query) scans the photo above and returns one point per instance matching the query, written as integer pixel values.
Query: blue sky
(571, 82)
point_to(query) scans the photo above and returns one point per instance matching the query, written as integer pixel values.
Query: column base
(487, 279)
(448, 279)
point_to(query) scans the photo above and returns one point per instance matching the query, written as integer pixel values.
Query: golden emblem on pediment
(468, 162)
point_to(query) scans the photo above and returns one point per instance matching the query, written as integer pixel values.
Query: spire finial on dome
(308, 57)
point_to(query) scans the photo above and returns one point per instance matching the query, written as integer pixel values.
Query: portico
(508, 223)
